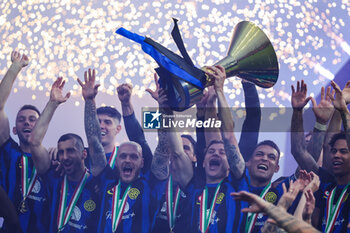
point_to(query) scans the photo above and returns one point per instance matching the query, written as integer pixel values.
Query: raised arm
(41, 157)
(92, 126)
(341, 105)
(132, 126)
(161, 158)
(334, 127)
(251, 125)
(283, 219)
(210, 113)
(18, 62)
(323, 112)
(234, 157)
(299, 100)
(181, 164)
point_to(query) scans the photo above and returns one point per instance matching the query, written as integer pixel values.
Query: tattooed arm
(341, 105)
(323, 112)
(234, 157)
(299, 100)
(92, 126)
(283, 219)
(161, 157)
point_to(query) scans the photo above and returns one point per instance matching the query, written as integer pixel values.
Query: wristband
(320, 127)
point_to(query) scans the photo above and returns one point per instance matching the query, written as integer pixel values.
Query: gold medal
(23, 207)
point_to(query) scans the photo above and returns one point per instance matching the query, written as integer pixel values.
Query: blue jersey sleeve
(251, 124)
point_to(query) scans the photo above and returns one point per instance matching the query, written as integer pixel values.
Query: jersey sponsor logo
(220, 198)
(125, 216)
(89, 205)
(76, 215)
(126, 208)
(271, 197)
(163, 210)
(133, 193)
(37, 187)
(183, 195)
(20, 164)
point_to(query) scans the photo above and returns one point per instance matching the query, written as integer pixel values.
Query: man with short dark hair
(18, 176)
(109, 119)
(332, 212)
(74, 203)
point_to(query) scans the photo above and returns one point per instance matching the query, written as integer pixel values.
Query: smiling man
(16, 159)
(263, 163)
(332, 212)
(73, 201)
(109, 119)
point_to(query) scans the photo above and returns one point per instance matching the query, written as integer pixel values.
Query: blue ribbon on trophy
(250, 56)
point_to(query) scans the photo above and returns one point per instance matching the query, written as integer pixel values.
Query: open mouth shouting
(27, 130)
(214, 163)
(262, 167)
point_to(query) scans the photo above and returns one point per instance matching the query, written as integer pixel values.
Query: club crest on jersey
(89, 205)
(199, 200)
(271, 197)
(110, 192)
(326, 194)
(133, 193)
(220, 198)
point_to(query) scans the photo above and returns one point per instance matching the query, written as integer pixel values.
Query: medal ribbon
(252, 218)
(332, 213)
(27, 182)
(172, 206)
(64, 213)
(204, 217)
(112, 159)
(118, 208)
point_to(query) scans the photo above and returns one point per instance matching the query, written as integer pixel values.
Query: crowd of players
(212, 184)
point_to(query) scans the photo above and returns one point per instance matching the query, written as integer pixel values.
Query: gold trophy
(250, 56)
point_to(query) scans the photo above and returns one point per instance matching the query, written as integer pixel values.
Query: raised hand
(309, 206)
(324, 110)
(162, 98)
(56, 94)
(303, 181)
(257, 204)
(346, 92)
(124, 93)
(339, 100)
(218, 74)
(314, 184)
(154, 94)
(17, 58)
(289, 195)
(299, 99)
(89, 88)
